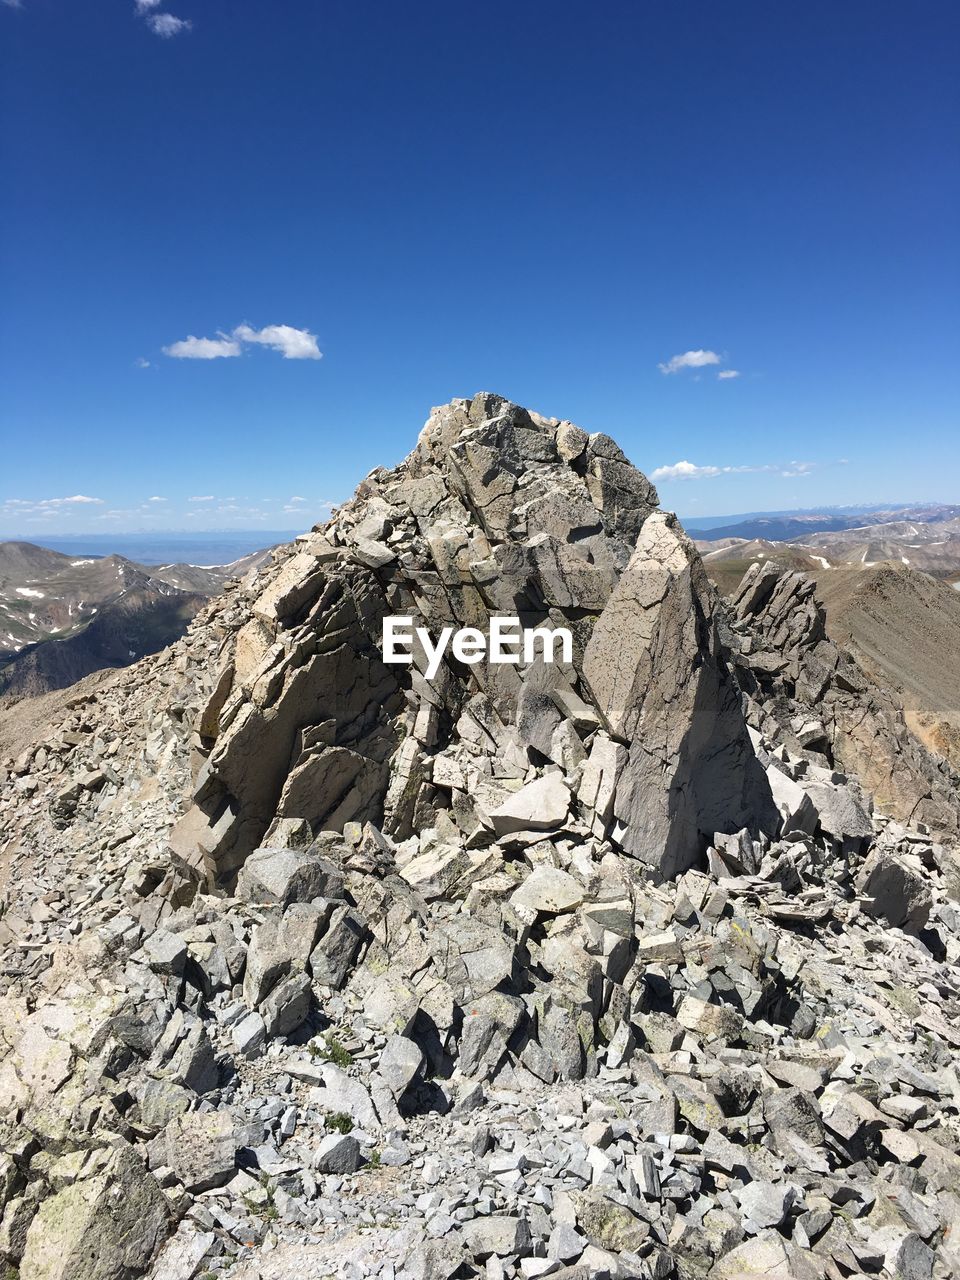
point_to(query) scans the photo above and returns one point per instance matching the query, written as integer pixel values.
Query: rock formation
(610, 967)
(496, 512)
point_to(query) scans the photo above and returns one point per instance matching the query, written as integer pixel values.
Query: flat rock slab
(548, 890)
(541, 805)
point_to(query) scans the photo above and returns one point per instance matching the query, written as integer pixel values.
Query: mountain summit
(637, 964)
(497, 512)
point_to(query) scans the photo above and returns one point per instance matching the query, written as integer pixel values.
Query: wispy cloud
(293, 344)
(685, 470)
(83, 512)
(164, 25)
(13, 4)
(78, 499)
(47, 508)
(231, 511)
(192, 348)
(689, 360)
(724, 374)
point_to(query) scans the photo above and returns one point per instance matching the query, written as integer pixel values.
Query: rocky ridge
(605, 969)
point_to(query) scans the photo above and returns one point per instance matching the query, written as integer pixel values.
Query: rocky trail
(639, 965)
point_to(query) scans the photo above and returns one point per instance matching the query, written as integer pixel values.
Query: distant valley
(63, 617)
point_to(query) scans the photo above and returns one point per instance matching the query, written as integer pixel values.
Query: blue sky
(548, 200)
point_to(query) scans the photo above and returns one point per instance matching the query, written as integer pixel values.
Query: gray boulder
(287, 875)
(498, 1235)
(542, 805)
(549, 891)
(400, 1063)
(842, 813)
(895, 889)
(795, 806)
(201, 1148)
(337, 1153)
(287, 1005)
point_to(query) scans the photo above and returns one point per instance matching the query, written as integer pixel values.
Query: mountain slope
(904, 628)
(726, 560)
(142, 621)
(63, 617)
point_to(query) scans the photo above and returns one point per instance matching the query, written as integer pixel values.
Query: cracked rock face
(497, 512)
(641, 964)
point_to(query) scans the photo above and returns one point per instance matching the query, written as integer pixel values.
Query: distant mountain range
(63, 617)
(926, 538)
(789, 525)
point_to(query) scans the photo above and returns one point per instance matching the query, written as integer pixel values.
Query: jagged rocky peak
(498, 512)
(524, 475)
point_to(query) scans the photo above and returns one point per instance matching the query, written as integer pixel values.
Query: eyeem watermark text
(506, 641)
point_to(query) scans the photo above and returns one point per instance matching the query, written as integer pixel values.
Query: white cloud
(78, 499)
(43, 508)
(685, 471)
(165, 25)
(690, 471)
(141, 363)
(293, 344)
(207, 497)
(724, 374)
(155, 498)
(297, 498)
(191, 348)
(689, 360)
